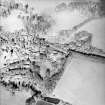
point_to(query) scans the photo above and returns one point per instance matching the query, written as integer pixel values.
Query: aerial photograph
(52, 52)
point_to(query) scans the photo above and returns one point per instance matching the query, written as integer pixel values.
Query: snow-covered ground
(97, 28)
(12, 23)
(82, 82)
(7, 99)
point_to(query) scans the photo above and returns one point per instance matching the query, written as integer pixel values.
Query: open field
(82, 82)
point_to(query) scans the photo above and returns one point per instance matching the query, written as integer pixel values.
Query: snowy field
(83, 82)
(6, 97)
